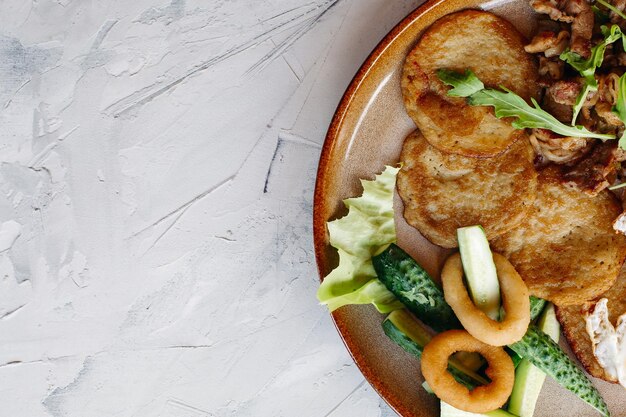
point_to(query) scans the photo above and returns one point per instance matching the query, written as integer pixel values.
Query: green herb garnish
(601, 16)
(612, 8)
(618, 186)
(463, 85)
(508, 104)
(620, 107)
(587, 67)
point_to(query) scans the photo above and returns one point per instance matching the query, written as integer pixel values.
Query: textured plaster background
(157, 165)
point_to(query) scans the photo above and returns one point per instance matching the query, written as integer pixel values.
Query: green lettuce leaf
(366, 230)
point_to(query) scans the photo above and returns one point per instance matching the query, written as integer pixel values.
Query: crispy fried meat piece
(582, 26)
(551, 147)
(563, 112)
(605, 111)
(551, 68)
(593, 173)
(564, 91)
(576, 12)
(621, 59)
(552, 9)
(608, 86)
(548, 42)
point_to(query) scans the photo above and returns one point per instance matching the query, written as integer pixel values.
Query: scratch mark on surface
(17, 363)
(345, 398)
(269, 168)
(184, 206)
(9, 314)
(102, 33)
(286, 43)
(95, 57)
(295, 74)
(69, 132)
(186, 408)
(324, 60)
(285, 136)
(182, 212)
(149, 93)
(292, 137)
(10, 100)
(188, 347)
(283, 13)
(225, 238)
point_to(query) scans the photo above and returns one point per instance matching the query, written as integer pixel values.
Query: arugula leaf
(600, 15)
(463, 84)
(620, 107)
(587, 67)
(367, 229)
(610, 7)
(508, 104)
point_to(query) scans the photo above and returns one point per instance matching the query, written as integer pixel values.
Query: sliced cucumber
(480, 270)
(409, 282)
(410, 335)
(427, 388)
(549, 324)
(536, 307)
(412, 285)
(448, 411)
(528, 378)
(403, 329)
(543, 352)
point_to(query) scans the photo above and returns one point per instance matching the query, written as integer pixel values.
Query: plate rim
(319, 202)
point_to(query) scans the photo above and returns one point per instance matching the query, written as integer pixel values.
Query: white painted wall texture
(157, 165)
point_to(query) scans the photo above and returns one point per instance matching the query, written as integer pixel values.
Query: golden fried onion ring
(515, 300)
(481, 399)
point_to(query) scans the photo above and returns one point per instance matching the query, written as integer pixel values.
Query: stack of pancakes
(463, 166)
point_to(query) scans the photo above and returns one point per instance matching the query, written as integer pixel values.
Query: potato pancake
(566, 252)
(492, 48)
(572, 319)
(442, 191)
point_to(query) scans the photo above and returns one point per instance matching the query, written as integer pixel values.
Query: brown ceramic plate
(366, 133)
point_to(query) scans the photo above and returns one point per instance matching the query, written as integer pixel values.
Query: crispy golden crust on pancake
(442, 192)
(494, 50)
(572, 319)
(566, 251)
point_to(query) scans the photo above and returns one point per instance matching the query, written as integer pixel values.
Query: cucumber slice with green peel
(528, 378)
(480, 270)
(543, 352)
(410, 335)
(412, 285)
(536, 307)
(549, 324)
(448, 411)
(403, 329)
(408, 325)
